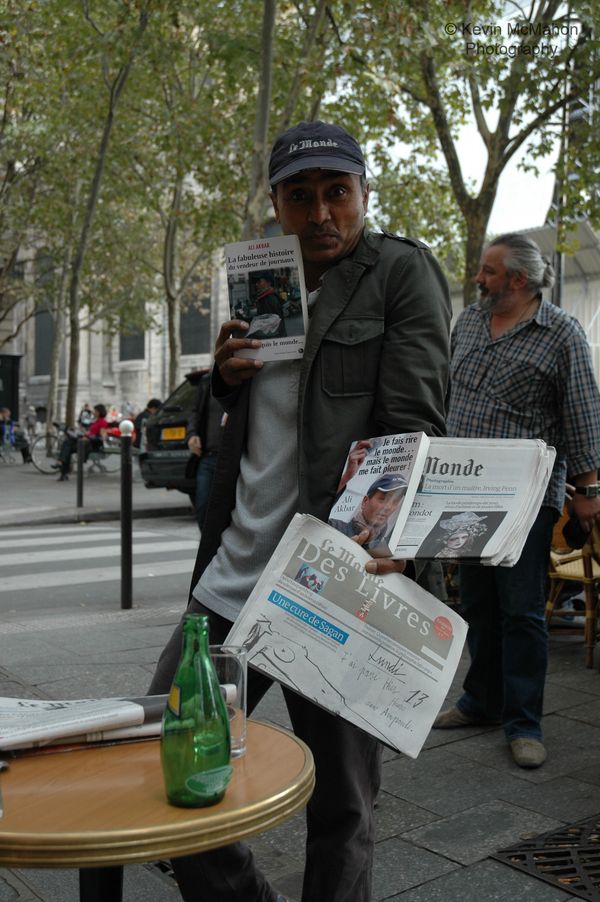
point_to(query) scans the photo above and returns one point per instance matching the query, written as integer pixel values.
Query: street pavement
(439, 818)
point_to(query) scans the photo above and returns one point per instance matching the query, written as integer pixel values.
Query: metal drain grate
(568, 858)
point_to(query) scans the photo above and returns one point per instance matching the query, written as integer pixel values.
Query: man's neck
(313, 275)
(508, 315)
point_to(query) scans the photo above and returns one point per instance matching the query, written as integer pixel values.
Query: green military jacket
(375, 363)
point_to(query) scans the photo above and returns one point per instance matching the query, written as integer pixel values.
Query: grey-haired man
(375, 363)
(521, 368)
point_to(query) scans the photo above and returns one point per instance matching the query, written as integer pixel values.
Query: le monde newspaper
(378, 651)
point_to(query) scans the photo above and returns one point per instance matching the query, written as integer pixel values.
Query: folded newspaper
(379, 651)
(36, 723)
(387, 471)
(476, 499)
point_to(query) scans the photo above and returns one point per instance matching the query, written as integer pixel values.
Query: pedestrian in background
(521, 368)
(12, 436)
(204, 430)
(93, 439)
(152, 407)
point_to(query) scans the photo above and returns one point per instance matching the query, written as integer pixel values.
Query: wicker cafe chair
(582, 566)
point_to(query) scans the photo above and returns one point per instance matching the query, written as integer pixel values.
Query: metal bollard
(80, 462)
(126, 429)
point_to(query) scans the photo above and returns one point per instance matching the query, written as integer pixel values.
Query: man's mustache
(321, 233)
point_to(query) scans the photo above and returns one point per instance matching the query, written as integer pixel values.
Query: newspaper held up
(477, 500)
(377, 488)
(379, 651)
(467, 499)
(265, 281)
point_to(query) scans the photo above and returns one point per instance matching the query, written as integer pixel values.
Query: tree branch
(442, 127)
(478, 113)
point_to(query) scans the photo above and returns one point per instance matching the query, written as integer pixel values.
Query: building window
(44, 340)
(195, 331)
(132, 346)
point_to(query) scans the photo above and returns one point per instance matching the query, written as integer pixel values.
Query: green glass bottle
(195, 744)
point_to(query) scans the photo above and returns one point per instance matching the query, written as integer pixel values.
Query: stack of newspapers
(469, 500)
(40, 723)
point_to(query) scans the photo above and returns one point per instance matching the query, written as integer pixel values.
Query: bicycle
(45, 453)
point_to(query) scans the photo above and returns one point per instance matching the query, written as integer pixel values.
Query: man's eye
(297, 197)
(338, 191)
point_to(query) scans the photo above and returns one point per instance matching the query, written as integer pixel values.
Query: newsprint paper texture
(32, 723)
(379, 651)
(388, 465)
(265, 281)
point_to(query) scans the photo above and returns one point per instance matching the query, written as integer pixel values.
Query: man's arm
(585, 509)
(581, 423)
(415, 360)
(415, 356)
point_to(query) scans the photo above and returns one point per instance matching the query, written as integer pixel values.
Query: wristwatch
(590, 491)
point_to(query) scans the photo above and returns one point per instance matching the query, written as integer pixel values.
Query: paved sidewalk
(28, 496)
(439, 818)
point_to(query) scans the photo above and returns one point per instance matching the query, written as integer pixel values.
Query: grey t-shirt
(266, 492)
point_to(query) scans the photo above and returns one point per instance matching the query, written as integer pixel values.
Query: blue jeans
(204, 478)
(340, 815)
(507, 638)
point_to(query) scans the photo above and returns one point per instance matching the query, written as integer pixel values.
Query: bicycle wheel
(111, 456)
(103, 462)
(106, 459)
(44, 453)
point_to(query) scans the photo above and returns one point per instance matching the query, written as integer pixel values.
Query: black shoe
(63, 478)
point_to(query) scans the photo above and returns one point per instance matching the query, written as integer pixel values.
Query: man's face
(495, 285)
(325, 209)
(262, 284)
(379, 507)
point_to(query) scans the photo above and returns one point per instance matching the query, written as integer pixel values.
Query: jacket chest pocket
(350, 357)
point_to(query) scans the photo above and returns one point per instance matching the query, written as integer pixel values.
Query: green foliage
(415, 73)
(178, 164)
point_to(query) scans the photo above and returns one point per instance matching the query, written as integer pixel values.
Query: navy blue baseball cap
(388, 483)
(314, 145)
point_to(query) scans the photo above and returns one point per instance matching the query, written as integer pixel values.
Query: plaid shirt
(534, 381)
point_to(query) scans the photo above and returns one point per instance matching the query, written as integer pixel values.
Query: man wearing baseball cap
(375, 363)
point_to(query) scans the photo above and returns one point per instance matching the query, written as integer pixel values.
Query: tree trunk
(116, 90)
(52, 411)
(259, 183)
(172, 288)
(476, 220)
(309, 42)
(58, 318)
(174, 328)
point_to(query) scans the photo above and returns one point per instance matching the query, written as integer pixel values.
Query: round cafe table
(104, 807)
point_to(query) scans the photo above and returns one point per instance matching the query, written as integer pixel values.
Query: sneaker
(452, 718)
(528, 752)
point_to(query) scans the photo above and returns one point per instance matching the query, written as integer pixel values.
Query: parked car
(164, 456)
